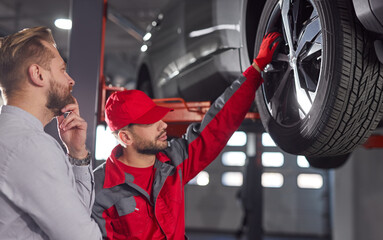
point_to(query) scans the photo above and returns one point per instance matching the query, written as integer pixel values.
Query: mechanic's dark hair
(18, 51)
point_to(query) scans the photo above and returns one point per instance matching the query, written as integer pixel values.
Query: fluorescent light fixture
(272, 180)
(267, 141)
(234, 158)
(302, 162)
(63, 23)
(232, 179)
(239, 138)
(310, 181)
(202, 179)
(147, 36)
(272, 159)
(144, 48)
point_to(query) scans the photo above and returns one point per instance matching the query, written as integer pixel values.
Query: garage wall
(358, 196)
(300, 207)
(214, 206)
(286, 209)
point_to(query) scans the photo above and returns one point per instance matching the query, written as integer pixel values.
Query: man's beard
(148, 147)
(55, 101)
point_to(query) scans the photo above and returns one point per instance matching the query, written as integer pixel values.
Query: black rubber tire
(330, 162)
(348, 101)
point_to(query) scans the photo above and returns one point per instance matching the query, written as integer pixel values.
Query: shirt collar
(114, 175)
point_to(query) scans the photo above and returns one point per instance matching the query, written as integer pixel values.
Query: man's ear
(35, 74)
(125, 137)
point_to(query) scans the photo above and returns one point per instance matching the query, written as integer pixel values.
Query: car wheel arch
(144, 82)
(251, 13)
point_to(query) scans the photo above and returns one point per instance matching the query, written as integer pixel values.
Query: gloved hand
(266, 50)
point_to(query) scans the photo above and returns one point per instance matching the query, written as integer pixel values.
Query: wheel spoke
(312, 53)
(310, 32)
(302, 98)
(286, 24)
(309, 81)
(281, 87)
(275, 109)
(281, 57)
(309, 66)
(295, 13)
(296, 68)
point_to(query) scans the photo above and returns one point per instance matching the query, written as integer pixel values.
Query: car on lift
(322, 95)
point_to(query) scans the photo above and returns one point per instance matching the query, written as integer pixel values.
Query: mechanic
(44, 193)
(140, 187)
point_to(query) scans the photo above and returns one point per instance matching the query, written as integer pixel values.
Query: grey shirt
(42, 196)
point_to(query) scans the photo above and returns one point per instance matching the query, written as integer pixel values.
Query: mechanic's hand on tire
(266, 50)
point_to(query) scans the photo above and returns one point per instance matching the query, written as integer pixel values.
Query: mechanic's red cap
(132, 106)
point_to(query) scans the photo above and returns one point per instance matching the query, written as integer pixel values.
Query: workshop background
(253, 190)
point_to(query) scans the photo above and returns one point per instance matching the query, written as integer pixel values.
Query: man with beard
(44, 193)
(140, 187)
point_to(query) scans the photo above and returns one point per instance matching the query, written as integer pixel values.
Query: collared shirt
(42, 196)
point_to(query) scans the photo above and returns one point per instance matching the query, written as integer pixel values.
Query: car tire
(330, 162)
(322, 94)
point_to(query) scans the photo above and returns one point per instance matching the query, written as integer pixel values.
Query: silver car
(322, 95)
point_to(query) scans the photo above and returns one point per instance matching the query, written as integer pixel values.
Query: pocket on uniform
(125, 206)
(133, 217)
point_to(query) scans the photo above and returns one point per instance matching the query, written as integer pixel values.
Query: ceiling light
(144, 48)
(147, 36)
(63, 23)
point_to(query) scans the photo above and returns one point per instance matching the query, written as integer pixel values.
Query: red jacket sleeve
(220, 122)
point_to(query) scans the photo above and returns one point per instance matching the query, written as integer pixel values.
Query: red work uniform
(149, 203)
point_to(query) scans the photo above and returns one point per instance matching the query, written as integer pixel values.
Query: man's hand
(266, 50)
(72, 130)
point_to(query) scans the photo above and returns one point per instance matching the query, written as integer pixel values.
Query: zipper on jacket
(154, 208)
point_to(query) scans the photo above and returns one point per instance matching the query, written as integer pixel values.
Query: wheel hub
(293, 61)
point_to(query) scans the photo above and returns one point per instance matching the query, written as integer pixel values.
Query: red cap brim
(153, 115)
